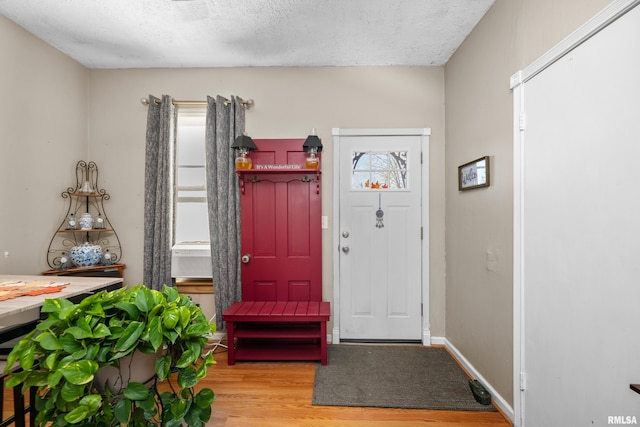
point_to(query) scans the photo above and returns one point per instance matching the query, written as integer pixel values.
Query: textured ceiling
(217, 33)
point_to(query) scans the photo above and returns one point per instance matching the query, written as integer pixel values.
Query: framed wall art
(474, 174)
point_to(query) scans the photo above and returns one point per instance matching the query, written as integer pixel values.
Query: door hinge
(421, 157)
(523, 120)
(421, 309)
(421, 233)
(523, 381)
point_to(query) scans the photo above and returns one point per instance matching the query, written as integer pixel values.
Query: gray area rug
(393, 376)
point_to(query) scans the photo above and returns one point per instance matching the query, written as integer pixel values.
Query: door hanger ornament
(379, 212)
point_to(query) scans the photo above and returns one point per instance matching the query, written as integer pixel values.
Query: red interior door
(281, 225)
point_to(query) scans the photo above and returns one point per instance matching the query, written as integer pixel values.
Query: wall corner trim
(496, 398)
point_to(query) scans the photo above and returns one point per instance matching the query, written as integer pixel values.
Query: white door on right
(380, 237)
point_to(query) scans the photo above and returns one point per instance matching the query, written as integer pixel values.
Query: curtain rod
(248, 104)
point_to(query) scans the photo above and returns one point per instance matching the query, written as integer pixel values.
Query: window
(191, 220)
(379, 170)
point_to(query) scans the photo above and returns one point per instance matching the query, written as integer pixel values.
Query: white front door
(380, 236)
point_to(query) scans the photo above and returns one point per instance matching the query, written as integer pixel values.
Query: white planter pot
(136, 367)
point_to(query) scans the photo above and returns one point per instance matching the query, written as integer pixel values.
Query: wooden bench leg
(231, 350)
(323, 343)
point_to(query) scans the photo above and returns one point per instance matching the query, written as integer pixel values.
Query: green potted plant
(62, 356)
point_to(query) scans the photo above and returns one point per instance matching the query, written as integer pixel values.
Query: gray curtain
(158, 192)
(225, 121)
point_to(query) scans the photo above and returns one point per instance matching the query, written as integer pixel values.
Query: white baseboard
(438, 340)
(497, 399)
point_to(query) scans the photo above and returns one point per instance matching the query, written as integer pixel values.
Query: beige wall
(479, 222)
(288, 103)
(96, 115)
(43, 133)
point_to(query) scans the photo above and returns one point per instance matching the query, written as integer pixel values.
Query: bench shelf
(269, 330)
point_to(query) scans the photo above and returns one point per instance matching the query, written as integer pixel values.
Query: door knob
(345, 249)
(246, 258)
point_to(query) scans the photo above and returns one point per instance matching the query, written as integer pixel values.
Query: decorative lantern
(244, 144)
(312, 145)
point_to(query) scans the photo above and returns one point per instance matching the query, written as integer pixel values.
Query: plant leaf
(67, 311)
(80, 372)
(198, 329)
(27, 358)
(76, 415)
(130, 308)
(95, 310)
(101, 330)
(129, 336)
(92, 401)
(144, 299)
(170, 318)
(122, 411)
(50, 361)
(69, 343)
(16, 379)
(149, 405)
(196, 347)
(185, 316)
(70, 392)
(79, 333)
(187, 377)
(205, 398)
(155, 333)
(54, 305)
(170, 293)
(48, 341)
(53, 378)
(186, 358)
(179, 408)
(47, 323)
(163, 366)
(136, 391)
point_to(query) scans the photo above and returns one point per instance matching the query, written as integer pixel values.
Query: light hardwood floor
(278, 394)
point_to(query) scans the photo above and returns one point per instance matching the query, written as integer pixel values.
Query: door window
(379, 170)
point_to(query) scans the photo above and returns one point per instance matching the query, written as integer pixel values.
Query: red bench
(277, 330)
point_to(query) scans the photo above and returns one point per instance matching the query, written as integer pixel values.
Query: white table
(25, 310)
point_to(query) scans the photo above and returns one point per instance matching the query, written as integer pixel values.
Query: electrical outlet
(6, 254)
(325, 222)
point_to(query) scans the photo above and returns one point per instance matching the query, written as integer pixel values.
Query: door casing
(424, 133)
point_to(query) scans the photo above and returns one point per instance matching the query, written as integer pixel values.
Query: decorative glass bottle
(312, 161)
(99, 225)
(243, 161)
(71, 222)
(107, 258)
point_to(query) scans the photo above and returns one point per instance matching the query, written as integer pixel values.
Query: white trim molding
(496, 398)
(425, 134)
(606, 16)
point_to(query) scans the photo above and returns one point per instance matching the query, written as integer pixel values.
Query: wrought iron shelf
(84, 197)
